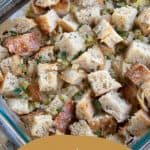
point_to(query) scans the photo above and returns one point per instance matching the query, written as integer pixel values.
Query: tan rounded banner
(73, 143)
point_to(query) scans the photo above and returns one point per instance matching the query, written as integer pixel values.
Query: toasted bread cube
(104, 123)
(32, 68)
(138, 74)
(10, 83)
(113, 104)
(102, 82)
(45, 55)
(92, 59)
(123, 18)
(42, 125)
(81, 128)
(138, 52)
(84, 107)
(63, 7)
(72, 43)
(139, 123)
(86, 3)
(88, 15)
(19, 106)
(143, 21)
(13, 64)
(48, 21)
(48, 79)
(3, 53)
(106, 33)
(1, 77)
(46, 3)
(68, 23)
(55, 105)
(73, 76)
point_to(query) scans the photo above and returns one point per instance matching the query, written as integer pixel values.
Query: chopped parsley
(18, 91)
(97, 105)
(40, 59)
(63, 55)
(10, 33)
(123, 34)
(59, 109)
(98, 133)
(78, 95)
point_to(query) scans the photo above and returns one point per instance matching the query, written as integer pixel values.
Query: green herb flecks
(78, 95)
(59, 109)
(97, 105)
(98, 133)
(123, 34)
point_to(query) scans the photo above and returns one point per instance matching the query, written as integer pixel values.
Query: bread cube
(13, 64)
(68, 23)
(48, 77)
(46, 3)
(3, 53)
(138, 74)
(1, 77)
(138, 52)
(72, 43)
(86, 3)
(19, 106)
(10, 83)
(106, 33)
(116, 106)
(88, 15)
(81, 128)
(84, 107)
(48, 21)
(73, 76)
(92, 59)
(139, 123)
(102, 82)
(123, 18)
(143, 21)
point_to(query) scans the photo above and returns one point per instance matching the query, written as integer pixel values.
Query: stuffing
(101, 82)
(143, 21)
(68, 23)
(90, 60)
(65, 117)
(81, 128)
(13, 64)
(1, 77)
(138, 52)
(88, 15)
(24, 45)
(48, 77)
(3, 53)
(48, 21)
(86, 3)
(107, 34)
(114, 138)
(138, 74)
(69, 44)
(19, 106)
(32, 68)
(55, 106)
(123, 18)
(9, 84)
(46, 3)
(84, 107)
(139, 123)
(73, 76)
(45, 55)
(116, 106)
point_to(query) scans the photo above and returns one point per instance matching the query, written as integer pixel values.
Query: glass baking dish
(9, 122)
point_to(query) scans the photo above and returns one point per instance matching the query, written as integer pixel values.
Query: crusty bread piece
(1, 77)
(68, 23)
(48, 77)
(46, 3)
(84, 107)
(85, 3)
(19, 106)
(81, 128)
(32, 68)
(138, 52)
(138, 74)
(143, 20)
(106, 33)
(45, 55)
(54, 106)
(10, 83)
(88, 15)
(123, 18)
(139, 123)
(101, 82)
(116, 106)
(92, 59)
(48, 21)
(104, 123)
(3, 53)
(63, 7)
(72, 43)
(73, 76)
(13, 64)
